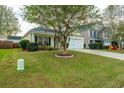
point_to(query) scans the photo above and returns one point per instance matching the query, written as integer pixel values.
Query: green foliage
(96, 45)
(120, 31)
(47, 48)
(92, 45)
(61, 18)
(8, 22)
(32, 47)
(114, 43)
(112, 16)
(105, 47)
(23, 44)
(65, 20)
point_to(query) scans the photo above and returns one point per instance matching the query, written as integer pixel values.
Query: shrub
(23, 44)
(105, 47)
(32, 47)
(47, 48)
(114, 43)
(99, 46)
(96, 45)
(92, 46)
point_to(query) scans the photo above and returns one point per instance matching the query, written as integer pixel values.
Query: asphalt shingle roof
(14, 37)
(41, 29)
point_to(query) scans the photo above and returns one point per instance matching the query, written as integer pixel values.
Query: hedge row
(29, 46)
(96, 46)
(47, 48)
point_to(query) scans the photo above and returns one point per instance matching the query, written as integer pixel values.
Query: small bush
(47, 48)
(99, 45)
(105, 47)
(92, 46)
(32, 47)
(114, 43)
(96, 45)
(23, 44)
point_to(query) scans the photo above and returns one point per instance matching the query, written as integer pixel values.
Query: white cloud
(25, 26)
(101, 6)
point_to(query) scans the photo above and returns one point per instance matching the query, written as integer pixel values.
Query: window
(90, 33)
(47, 41)
(44, 41)
(40, 40)
(105, 34)
(91, 41)
(93, 34)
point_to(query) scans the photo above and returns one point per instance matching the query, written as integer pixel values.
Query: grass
(116, 51)
(43, 69)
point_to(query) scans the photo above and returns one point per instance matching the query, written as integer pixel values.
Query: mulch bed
(64, 55)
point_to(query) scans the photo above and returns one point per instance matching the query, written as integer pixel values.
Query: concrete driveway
(102, 53)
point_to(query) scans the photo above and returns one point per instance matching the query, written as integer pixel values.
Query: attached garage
(76, 43)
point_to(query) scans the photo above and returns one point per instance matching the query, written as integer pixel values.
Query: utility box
(20, 64)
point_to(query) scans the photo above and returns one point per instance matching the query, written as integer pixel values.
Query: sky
(25, 26)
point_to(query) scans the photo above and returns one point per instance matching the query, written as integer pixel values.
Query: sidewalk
(102, 53)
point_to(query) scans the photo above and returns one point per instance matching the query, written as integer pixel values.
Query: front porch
(43, 39)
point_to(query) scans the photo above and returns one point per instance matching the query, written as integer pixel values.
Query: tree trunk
(120, 45)
(56, 40)
(65, 45)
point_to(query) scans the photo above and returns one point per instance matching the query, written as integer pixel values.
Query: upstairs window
(93, 34)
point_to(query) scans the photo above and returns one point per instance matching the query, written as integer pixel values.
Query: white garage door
(76, 43)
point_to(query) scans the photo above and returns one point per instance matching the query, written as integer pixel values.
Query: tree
(65, 20)
(112, 15)
(8, 22)
(120, 33)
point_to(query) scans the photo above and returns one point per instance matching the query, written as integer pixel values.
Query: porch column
(32, 37)
(43, 40)
(52, 41)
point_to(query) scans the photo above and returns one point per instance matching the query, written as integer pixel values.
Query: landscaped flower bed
(64, 55)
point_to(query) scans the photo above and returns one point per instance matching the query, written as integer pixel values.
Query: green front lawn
(116, 51)
(42, 69)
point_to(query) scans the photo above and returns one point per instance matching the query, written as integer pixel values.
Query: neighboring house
(92, 36)
(15, 39)
(46, 37)
(2, 37)
(10, 42)
(96, 34)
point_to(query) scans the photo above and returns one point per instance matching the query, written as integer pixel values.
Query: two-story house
(96, 35)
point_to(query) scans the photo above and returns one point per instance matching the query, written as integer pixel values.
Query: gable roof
(94, 26)
(40, 30)
(14, 37)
